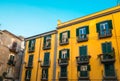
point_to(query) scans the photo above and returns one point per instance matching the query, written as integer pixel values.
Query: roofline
(41, 35)
(90, 17)
(11, 34)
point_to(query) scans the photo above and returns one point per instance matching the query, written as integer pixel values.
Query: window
(64, 54)
(83, 51)
(104, 28)
(64, 36)
(109, 70)
(47, 41)
(31, 45)
(28, 74)
(63, 72)
(30, 61)
(81, 33)
(11, 60)
(44, 73)
(83, 70)
(46, 58)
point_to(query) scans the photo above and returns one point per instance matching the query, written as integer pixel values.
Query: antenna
(118, 2)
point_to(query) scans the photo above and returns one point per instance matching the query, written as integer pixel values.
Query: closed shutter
(77, 32)
(83, 50)
(60, 53)
(30, 61)
(109, 70)
(63, 71)
(110, 24)
(60, 36)
(46, 58)
(98, 27)
(104, 50)
(68, 53)
(68, 34)
(80, 51)
(109, 47)
(87, 29)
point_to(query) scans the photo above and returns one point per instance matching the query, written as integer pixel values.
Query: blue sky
(31, 17)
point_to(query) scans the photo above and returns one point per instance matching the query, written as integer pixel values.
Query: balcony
(105, 34)
(63, 62)
(14, 49)
(82, 38)
(64, 41)
(28, 66)
(63, 76)
(46, 47)
(10, 62)
(109, 76)
(46, 65)
(83, 76)
(107, 58)
(83, 59)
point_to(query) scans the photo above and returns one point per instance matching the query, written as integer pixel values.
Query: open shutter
(104, 48)
(68, 53)
(68, 34)
(110, 24)
(109, 47)
(80, 51)
(84, 50)
(60, 36)
(77, 32)
(29, 73)
(46, 71)
(88, 68)
(29, 44)
(78, 68)
(44, 40)
(98, 27)
(33, 46)
(60, 53)
(87, 29)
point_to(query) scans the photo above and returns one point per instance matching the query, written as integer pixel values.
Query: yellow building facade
(83, 49)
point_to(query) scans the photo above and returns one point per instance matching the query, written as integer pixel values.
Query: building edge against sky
(69, 53)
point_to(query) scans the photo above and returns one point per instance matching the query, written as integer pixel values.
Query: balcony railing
(105, 34)
(63, 62)
(14, 49)
(63, 76)
(83, 59)
(45, 64)
(46, 47)
(10, 62)
(27, 66)
(44, 77)
(64, 41)
(83, 75)
(110, 76)
(82, 38)
(106, 58)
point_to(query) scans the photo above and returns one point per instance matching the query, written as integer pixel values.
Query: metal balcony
(46, 47)
(83, 59)
(10, 62)
(82, 38)
(63, 62)
(45, 65)
(106, 34)
(107, 58)
(63, 76)
(64, 41)
(28, 66)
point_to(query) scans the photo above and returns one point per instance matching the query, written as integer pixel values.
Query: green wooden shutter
(29, 44)
(109, 47)
(104, 48)
(68, 34)
(84, 50)
(88, 68)
(109, 70)
(68, 53)
(60, 53)
(78, 68)
(26, 74)
(29, 73)
(60, 36)
(46, 71)
(33, 46)
(44, 40)
(77, 32)
(30, 62)
(46, 58)
(80, 51)
(98, 27)
(87, 29)
(110, 24)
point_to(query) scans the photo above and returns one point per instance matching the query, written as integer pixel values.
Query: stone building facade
(11, 53)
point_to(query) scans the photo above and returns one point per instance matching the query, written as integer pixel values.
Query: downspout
(38, 60)
(23, 57)
(55, 56)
